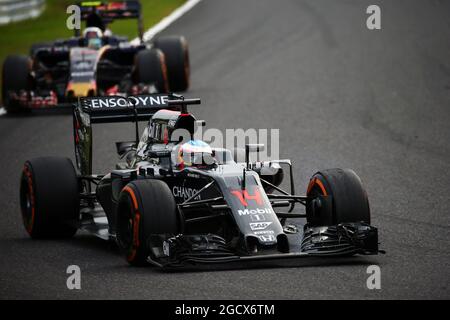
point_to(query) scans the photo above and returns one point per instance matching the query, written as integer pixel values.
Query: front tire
(49, 197)
(146, 216)
(347, 198)
(176, 52)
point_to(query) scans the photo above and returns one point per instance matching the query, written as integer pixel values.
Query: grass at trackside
(17, 38)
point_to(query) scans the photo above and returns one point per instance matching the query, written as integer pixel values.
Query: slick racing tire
(15, 77)
(146, 216)
(337, 196)
(176, 52)
(49, 197)
(150, 68)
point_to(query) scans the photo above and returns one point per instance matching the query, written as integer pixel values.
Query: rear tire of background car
(15, 77)
(150, 68)
(49, 197)
(176, 52)
(146, 214)
(349, 202)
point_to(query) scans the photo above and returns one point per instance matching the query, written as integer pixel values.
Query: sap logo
(246, 212)
(185, 193)
(259, 225)
(243, 196)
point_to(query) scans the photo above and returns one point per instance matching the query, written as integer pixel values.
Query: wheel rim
(315, 189)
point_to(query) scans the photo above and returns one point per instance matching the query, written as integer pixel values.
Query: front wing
(342, 240)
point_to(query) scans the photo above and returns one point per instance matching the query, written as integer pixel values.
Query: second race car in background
(96, 63)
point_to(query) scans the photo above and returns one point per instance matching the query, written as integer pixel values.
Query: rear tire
(15, 77)
(150, 68)
(349, 202)
(176, 52)
(146, 215)
(49, 197)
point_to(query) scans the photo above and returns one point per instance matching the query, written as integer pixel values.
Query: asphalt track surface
(341, 95)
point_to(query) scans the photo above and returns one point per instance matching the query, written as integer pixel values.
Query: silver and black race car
(95, 63)
(175, 201)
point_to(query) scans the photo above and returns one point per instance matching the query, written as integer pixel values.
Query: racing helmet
(195, 153)
(93, 37)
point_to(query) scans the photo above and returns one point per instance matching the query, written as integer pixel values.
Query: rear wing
(110, 11)
(111, 109)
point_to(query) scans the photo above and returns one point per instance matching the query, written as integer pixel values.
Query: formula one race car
(175, 201)
(95, 64)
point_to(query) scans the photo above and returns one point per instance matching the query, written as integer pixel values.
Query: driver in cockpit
(93, 37)
(174, 130)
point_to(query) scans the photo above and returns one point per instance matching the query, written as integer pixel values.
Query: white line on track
(167, 21)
